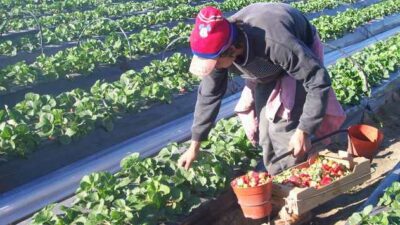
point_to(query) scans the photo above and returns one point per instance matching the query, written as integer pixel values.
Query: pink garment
(281, 102)
(246, 112)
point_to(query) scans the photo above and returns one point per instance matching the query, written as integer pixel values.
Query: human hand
(190, 155)
(300, 143)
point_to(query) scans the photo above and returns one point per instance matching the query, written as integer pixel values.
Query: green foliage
(375, 63)
(73, 114)
(84, 58)
(332, 27)
(155, 190)
(389, 204)
(68, 26)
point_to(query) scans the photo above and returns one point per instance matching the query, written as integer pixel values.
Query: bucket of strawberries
(254, 190)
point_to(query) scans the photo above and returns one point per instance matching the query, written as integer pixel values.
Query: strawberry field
(80, 79)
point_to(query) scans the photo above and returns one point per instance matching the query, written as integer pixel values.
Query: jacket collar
(249, 48)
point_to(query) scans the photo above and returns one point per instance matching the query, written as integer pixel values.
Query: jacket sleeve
(300, 62)
(209, 96)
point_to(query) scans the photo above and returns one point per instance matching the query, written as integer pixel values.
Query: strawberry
(239, 182)
(326, 167)
(295, 180)
(245, 179)
(326, 180)
(234, 183)
(262, 175)
(253, 183)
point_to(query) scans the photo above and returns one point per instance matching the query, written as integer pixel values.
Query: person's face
(225, 62)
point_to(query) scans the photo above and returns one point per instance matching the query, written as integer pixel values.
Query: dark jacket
(278, 39)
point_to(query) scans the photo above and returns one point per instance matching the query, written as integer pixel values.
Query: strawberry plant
(314, 6)
(388, 211)
(9, 48)
(84, 58)
(75, 113)
(16, 139)
(375, 62)
(15, 22)
(332, 27)
(147, 191)
(68, 31)
(48, 7)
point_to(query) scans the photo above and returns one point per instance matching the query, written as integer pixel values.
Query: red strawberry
(262, 175)
(326, 180)
(326, 167)
(234, 183)
(295, 180)
(246, 179)
(253, 182)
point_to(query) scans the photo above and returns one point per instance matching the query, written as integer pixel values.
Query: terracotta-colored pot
(364, 140)
(255, 201)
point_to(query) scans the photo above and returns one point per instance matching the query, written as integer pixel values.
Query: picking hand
(300, 143)
(190, 155)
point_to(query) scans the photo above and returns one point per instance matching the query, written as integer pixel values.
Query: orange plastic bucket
(255, 201)
(364, 140)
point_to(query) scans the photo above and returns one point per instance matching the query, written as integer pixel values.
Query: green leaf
(253, 163)
(355, 219)
(367, 210)
(131, 160)
(165, 189)
(203, 180)
(6, 133)
(70, 132)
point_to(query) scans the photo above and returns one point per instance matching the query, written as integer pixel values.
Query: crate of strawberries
(307, 185)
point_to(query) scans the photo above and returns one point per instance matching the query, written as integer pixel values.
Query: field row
(84, 58)
(98, 25)
(50, 7)
(74, 114)
(104, 10)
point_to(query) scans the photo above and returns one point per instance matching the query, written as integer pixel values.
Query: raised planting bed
(383, 205)
(176, 192)
(181, 12)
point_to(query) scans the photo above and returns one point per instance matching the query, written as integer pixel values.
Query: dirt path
(338, 210)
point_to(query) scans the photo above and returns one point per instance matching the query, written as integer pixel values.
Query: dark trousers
(275, 133)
